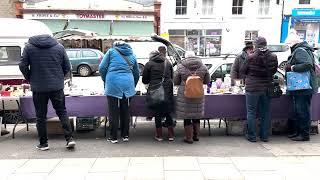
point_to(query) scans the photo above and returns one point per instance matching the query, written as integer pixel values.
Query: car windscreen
(10, 55)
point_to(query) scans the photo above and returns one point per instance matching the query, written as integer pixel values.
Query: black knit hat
(248, 45)
(260, 42)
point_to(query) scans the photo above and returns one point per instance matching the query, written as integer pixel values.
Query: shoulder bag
(155, 93)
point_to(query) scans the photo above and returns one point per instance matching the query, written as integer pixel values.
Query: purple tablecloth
(216, 106)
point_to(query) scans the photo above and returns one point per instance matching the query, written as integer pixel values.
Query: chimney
(156, 23)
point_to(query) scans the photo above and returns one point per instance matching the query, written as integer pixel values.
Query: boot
(4, 132)
(196, 131)
(158, 135)
(170, 133)
(188, 134)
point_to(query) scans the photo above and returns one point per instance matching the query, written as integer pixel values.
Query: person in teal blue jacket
(120, 72)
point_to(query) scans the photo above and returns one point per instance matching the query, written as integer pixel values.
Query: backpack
(194, 86)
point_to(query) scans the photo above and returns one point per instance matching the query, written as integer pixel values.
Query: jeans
(119, 110)
(57, 98)
(301, 110)
(258, 101)
(159, 117)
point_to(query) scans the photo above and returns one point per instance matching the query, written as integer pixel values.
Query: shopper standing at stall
(120, 72)
(301, 61)
(159, 72)
(44, 64)
(259, 69)
(238, 62)
(188, 108)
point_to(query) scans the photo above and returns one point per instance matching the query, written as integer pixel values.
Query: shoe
(42, 147)
(158, 136)
(264, 140)
(125, 139)
(300, 138)
(170, 134)
(70, 144)
(188, 130)
(4, 132)
(188, 141)
(293, 135)
(113, 141)
(251, 140)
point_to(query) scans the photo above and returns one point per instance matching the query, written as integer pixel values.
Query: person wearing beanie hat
(259, 69)
(238, 62)
(301, 60)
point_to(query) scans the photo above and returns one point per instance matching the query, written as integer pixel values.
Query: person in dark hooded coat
(158, 67)
(301, 60)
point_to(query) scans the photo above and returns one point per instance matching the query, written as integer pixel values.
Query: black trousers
(118, 110)
(187, 122)
(40, 101)
(158, 120)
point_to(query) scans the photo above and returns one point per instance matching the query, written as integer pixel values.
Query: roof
(143, 2)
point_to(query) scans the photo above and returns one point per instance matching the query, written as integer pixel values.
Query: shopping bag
(298, 81)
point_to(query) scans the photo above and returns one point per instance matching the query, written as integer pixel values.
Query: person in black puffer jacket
(152, 75)
(259, 69)
(44, 64)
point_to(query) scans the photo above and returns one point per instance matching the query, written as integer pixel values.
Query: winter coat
(302, 59)
(44, 64)
(235, 70)
(152, 75)
(120, 80)
(259, 69)
(187, 108)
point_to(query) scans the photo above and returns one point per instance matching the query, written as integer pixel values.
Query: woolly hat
(260, 42)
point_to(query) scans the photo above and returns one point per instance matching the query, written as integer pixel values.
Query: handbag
(298, 81)
(155, 93)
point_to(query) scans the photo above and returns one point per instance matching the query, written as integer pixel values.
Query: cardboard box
(54, 126)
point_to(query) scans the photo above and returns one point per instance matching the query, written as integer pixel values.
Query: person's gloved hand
(287, 67)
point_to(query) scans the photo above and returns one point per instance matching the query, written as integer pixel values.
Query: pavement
(213, 157)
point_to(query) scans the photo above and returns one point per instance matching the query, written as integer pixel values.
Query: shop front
(204, 42)
(99, 22)
(307, 24)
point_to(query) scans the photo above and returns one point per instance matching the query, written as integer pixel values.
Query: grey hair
(118, 43)
(189, 54)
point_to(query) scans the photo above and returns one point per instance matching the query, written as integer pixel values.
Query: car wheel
(282, 65)
(141, 67)
(84, 70)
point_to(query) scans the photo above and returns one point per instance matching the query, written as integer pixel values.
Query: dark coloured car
(84, 61)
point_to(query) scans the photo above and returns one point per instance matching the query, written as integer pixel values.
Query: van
(14, 34)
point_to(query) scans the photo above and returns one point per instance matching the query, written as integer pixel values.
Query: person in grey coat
(191, 110)
(238, 62)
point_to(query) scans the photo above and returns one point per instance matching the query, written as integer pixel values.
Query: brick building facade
(7, 9)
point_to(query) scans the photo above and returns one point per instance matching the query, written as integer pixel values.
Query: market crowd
(45, 63)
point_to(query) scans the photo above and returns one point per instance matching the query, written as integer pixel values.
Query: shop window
(10, 55)
(250, 36)
(181, 7)
(304, 1)
(207, 7)
(264, 6)
(237, 7)
(177, 32)
(88, 54)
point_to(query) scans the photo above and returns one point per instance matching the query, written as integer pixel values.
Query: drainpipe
(156, 23)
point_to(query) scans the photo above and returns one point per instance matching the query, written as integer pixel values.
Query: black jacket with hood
(44, 64)
(152, 75)
(301, 59)
(259, 69)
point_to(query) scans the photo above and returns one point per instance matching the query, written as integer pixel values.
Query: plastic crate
(87, 123)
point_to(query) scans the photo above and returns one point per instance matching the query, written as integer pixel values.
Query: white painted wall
(233, 26)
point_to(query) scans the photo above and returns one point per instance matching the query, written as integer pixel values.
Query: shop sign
(90, 15)
(306, 12)
(134, 17)
(44, 16)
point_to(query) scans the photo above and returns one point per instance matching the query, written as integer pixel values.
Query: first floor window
(181, 7)
(207, 7)
(250, 36)
(237, 6)
(264, 6)
(304, 1)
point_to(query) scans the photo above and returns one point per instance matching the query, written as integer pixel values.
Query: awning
(313, 19)
(133, 28)
(110, 37)
(54, 24)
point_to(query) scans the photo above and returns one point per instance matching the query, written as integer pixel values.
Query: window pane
(240, 10)
(178, 11)
(72, 54)
(184, 2)
(234, 2)
(304, 1)
(178, 2)
(176, 32)
(10, 55)
(88, 54)
(240, 3)
(213, 32)
(184, 10)
(234, 10)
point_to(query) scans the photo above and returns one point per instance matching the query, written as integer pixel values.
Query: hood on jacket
(124, 49)
(304, 45)
(192, 63)
(43, 41)
(156, 56)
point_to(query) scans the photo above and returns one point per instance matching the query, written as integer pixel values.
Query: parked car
(84, 61)
(282, 51)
